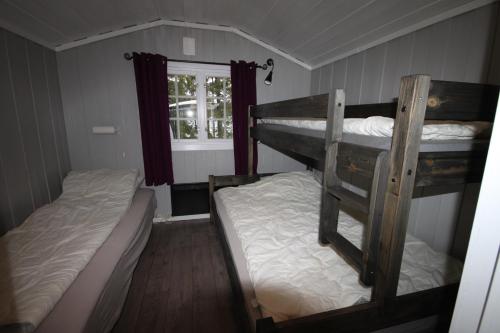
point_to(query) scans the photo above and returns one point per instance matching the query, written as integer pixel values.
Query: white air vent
(188, 46)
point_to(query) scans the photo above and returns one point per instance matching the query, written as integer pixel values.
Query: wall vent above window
(188, 46)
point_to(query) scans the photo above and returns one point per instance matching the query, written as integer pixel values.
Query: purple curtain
(152, 96)
(244, 93)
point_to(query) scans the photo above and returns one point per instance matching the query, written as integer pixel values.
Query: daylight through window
(200, 106)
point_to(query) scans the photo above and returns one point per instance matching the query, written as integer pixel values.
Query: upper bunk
(297, 128)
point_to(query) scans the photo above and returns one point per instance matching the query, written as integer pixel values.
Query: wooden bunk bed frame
(390, 177)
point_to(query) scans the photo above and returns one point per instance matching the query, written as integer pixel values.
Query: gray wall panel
(22, 93)
(30, 175)
(339, 74)
(49, 165)
(458, 49)
(6, 216)
(56, 112)
(371, 82)
(11, 143)
(98, 88)
(355, 67)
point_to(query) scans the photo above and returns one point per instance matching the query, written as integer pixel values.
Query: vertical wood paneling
(315, 81)
(339, 74)
(397, 64)
(98, 88)
(353, 78)
(458, 49)
(26, 116)
(30, 175)
(326, 79)
(46, 128)
(6, 217)
(56, 112)
(372, 75)
(11, 143)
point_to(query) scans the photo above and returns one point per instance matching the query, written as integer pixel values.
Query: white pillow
(101, 181)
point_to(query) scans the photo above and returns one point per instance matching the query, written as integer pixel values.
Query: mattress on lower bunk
(276, 224)
(377, 131)
(42, 257)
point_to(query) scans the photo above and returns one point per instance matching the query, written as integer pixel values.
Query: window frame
(201, 72)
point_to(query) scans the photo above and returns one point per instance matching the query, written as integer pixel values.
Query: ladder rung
(350, 199)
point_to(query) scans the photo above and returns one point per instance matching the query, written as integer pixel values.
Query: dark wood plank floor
(180, 284)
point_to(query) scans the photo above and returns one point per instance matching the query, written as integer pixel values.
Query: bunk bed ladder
(340, 160)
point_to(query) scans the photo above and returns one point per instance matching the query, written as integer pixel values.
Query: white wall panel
(33, 160)
(98, 89)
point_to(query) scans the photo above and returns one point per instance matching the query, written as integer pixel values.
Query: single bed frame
(390, 177)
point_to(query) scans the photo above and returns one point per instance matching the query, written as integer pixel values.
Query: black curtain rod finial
(128, 56)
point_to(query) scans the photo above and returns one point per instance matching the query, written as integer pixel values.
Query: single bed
(92, 300)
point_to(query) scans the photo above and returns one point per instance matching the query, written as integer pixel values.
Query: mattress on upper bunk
(377, 131)
(276, 224)
(42, 257)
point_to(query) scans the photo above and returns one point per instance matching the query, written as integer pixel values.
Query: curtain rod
(128, 56)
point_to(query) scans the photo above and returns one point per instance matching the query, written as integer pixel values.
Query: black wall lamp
(269, 78)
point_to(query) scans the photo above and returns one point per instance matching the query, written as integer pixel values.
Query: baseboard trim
(187, 217)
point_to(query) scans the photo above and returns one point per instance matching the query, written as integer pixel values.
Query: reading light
(269, 77)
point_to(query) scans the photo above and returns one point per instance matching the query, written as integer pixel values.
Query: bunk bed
(389, 172)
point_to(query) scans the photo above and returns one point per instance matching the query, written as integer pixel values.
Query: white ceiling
(313, 31)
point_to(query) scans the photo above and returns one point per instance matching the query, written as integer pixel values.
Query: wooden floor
(180, 284)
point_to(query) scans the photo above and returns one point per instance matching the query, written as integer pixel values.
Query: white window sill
(189, 146)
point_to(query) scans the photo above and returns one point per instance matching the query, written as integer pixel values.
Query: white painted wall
(33, 153)
(458, 49)
(98, 88)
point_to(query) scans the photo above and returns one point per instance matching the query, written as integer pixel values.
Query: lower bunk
(289, 283)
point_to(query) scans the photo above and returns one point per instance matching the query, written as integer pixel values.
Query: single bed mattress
(276, 223)
(94, 300)
(43, 256)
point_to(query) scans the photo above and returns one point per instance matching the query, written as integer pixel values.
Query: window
(200, 106)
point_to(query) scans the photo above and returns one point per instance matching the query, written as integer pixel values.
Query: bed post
(403, 161)
(250, 143)
(333, 135)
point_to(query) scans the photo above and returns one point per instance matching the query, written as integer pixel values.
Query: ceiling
(313, 31)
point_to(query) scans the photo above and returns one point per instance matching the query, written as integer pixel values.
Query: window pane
(229, 109)
(173, 128)
(187, 107)
(188, 129)
(229, 129)
(171, 85)
(215, 108)
(172, 107)
(186, 85)
(228, 87)
(215, 128)
(215, 86)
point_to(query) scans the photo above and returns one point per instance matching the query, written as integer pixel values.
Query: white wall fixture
(104, 130)
(189, 46)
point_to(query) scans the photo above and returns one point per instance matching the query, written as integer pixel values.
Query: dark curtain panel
(244, 93)
(152, 95)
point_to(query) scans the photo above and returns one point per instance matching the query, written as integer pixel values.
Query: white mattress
(383, 127)
(276, 222)
(40, 259)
